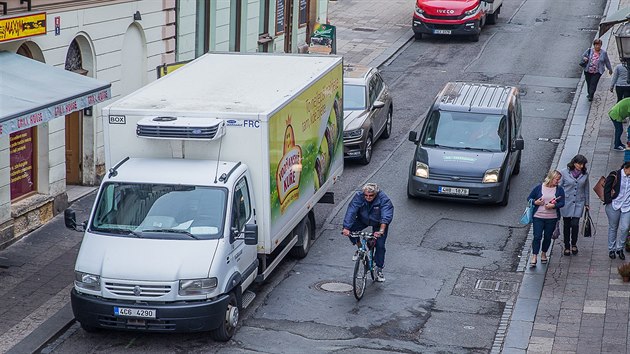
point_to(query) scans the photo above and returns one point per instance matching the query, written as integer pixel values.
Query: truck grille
(174, 132)
(437, 17)
(144, 325)
(138, 290)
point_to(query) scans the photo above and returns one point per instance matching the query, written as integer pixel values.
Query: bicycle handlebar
(361, 234)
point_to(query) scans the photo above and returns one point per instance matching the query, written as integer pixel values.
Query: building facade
(245, 25)
(118, 42)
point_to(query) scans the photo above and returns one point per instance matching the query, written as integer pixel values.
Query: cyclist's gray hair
(371, 188)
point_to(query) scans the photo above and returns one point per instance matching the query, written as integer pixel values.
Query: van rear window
(465, 130)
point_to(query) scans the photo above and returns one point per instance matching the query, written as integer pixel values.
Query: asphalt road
(438, 253)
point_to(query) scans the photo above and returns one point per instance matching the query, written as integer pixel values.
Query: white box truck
(212, 174)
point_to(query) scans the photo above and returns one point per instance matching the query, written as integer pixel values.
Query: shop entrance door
(73, 148)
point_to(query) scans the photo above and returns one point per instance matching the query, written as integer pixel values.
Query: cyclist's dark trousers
(379, 253)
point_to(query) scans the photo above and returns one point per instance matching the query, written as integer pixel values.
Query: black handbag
(587, 225)
(583, 62)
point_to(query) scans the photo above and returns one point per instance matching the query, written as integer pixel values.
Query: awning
(32, 92)
(622, 15)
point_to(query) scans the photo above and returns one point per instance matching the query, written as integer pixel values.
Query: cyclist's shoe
(355, 256)
(379, 275)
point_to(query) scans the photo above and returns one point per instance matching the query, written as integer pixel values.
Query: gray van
(470, 144)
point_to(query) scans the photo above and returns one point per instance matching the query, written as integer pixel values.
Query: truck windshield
(465, 130)
(160, 211)
(353, 97)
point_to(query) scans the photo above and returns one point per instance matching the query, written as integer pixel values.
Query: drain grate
(494, 285)
(364, 29)
(333, 286)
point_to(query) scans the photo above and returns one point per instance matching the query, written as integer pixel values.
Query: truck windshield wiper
(175, 231)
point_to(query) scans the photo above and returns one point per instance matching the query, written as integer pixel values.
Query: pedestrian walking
(617, 206)
(576, 190)
(597, 61)
(619, 112)
(620, 83)
(548, 198)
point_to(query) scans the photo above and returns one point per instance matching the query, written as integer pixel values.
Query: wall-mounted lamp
(87, 111)
(137, 16)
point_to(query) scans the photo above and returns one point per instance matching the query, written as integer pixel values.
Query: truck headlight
(351, 134)
(419, 11)
(491, 175)
(87, 281)
(197, 286)
(422, 170)
(473, 11)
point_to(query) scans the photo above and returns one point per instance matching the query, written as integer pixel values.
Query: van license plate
(130, 312)
(441, 31)
(451, 190)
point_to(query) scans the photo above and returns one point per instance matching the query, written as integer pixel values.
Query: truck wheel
(367, 151)
(305, 234)
(506, 196)
(88, 328)
(517, 167)
(417, 36)
(492, 18)
(227, 328)
(475, 37)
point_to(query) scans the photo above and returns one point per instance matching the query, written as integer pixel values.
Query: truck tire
(227, 328)
(305, 234)
(475, 37)
(417, 36)
(492, 18)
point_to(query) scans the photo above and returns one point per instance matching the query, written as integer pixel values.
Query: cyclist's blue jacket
(379, 211)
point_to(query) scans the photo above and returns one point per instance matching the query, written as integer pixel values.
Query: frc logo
(247, 123)
(446, 12)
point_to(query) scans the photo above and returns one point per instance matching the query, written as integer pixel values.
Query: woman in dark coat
(576, 190)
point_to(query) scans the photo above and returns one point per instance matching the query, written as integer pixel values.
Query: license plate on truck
(441, 31)
(452, 190)
(131, 312)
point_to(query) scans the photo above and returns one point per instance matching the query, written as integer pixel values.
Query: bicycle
(364, 262)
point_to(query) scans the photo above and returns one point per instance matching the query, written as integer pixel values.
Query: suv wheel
(367, 151)
(388, 125)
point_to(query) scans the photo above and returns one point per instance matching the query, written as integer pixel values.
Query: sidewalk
(36, 273)
(578, 304)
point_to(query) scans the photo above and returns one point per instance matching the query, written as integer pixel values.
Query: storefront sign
(22, 163)
(323, 39)
(18, 27)
(279, 17)
(45, 114)
(164, 69)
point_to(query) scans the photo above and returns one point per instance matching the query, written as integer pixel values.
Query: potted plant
(624, 271)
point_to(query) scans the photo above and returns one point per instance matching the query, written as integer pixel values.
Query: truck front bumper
(170, 317)
(457, 29)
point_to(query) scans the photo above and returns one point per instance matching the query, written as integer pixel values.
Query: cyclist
(370, 207)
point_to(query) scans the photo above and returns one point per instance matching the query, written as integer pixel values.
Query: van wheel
(227, 328)
(367, 151)
(305, 233)
(517, 167)
(506, 196)
(88, 328)
(417, 36)
(388, 125)
(409, 195)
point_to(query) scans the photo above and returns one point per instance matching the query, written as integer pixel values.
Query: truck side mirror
(70, 219)
(251, 234)
(413, 136)
(519, 144)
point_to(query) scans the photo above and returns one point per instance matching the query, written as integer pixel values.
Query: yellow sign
(164, 69)
(18, 27)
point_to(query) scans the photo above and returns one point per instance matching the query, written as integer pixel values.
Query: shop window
(23, 162)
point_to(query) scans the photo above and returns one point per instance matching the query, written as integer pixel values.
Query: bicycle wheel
(359, 280)
(371, 263)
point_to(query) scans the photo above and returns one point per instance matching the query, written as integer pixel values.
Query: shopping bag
(556, 231)
(526, 218)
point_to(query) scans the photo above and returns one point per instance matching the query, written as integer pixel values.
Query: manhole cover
(334, 286)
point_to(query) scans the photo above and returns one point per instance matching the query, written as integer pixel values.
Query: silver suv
(367, 111)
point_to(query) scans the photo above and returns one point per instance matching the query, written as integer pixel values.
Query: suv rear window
(465, 130)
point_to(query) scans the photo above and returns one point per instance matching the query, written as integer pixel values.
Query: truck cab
(454, 17)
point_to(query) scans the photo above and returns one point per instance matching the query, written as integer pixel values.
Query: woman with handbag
(548, 199)
(576, 189)
(617, 206)
(595, 63)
